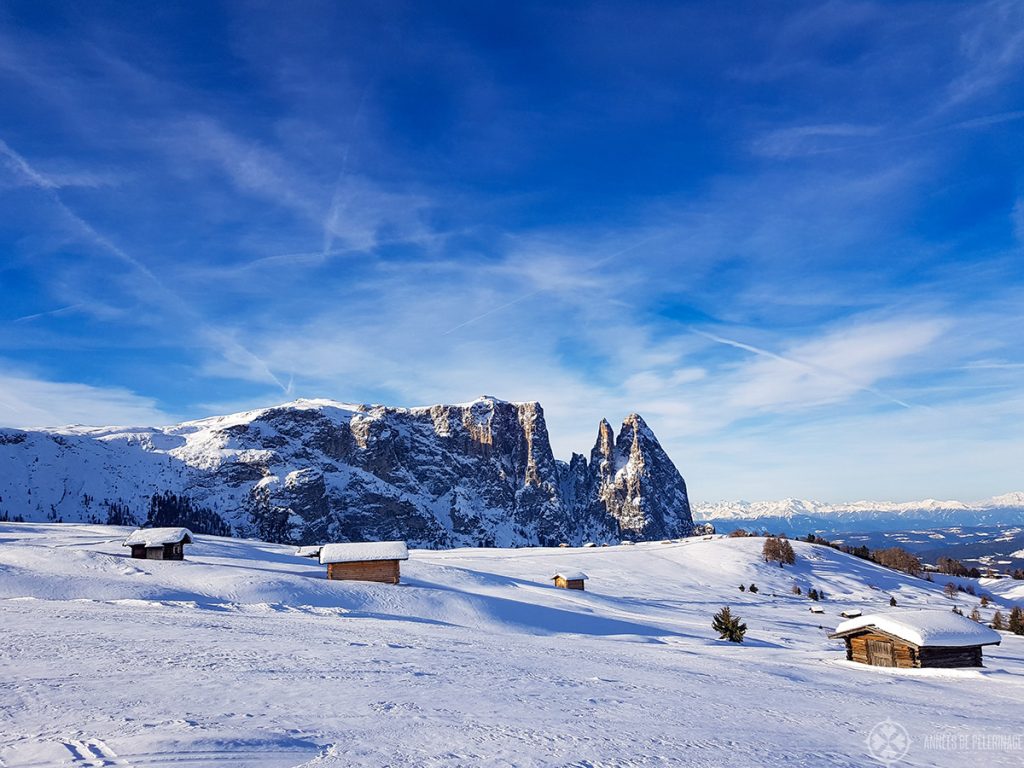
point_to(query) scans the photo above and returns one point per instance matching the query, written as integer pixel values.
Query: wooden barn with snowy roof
(159, 543)
(364, 561)
(927, 638)
(570, 579)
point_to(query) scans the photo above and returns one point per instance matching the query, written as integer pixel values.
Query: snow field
(245, 655)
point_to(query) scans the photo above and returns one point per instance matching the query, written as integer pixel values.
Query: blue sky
(791, 235)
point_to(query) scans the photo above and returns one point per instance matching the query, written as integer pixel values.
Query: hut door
(880, 653)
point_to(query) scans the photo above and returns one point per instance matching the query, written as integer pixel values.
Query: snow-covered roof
(943, 628)
(313, 551)
(157, 537)
(357, 552)
(570, 575)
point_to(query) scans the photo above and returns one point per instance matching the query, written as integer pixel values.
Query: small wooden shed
(159, 543)
(928, 638)
(569, 579)
(364, 561)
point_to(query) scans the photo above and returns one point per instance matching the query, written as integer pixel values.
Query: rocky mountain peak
(604, 447)
(640, 487)
(478, 474)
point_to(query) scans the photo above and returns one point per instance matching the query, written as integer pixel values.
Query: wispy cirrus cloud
(355, 213)
(29, 401)
(809, 139)
(992, 47)
(1017, 217)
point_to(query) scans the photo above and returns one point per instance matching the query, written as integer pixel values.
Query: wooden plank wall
(569, 583)
(857, 650)
(384, 571)
(164, 552)
(951, 657)
(909, 656)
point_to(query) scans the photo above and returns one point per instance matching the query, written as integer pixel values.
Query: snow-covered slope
(804, 515)
(245, 655)
(480, 473)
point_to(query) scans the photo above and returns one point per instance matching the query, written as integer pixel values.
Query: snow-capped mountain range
(477, 474)
(803, 515)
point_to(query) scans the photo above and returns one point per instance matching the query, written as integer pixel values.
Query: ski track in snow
(244, 656)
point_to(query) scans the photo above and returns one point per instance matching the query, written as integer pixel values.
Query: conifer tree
(892, 602)
(997, 621)
(729, 627)
(779, 549)
(1016, 624)
(787, 553)
(753, 588)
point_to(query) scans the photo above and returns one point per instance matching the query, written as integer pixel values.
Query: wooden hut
(569, 579)
(915, 639)
(364, 561)
(159, 543)
(311, 551)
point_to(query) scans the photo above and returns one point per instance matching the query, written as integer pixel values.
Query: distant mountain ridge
(475, 474)
(806, 515)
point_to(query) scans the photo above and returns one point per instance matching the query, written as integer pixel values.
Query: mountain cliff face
(631, 483)
(478, 474)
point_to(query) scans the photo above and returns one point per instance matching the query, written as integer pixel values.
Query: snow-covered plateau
(245, 655)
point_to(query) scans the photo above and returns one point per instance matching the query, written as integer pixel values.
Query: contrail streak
(49, 313)
(975, 122)
(330, 222)
(228, 346)
(818, 370)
